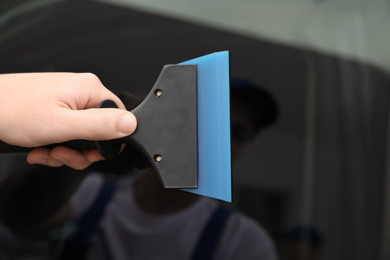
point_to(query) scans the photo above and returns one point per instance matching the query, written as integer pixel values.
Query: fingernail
(41, 161)
(127, 123)
(61, 160)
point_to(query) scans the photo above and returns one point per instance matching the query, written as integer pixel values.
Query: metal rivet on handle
(158, 92)
(157, 158)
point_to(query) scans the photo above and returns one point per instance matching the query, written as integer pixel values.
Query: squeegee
(183, 127)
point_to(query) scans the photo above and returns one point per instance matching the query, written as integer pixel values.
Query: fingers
(95, 124)
(45, 108)
(91, 91)
(62, 155)
(42, 156)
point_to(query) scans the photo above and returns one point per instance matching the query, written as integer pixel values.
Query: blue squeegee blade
(214, 158)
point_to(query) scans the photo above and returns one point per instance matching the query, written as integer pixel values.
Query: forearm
(34, 194)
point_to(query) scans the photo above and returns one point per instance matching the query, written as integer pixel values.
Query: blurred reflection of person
(303, 242)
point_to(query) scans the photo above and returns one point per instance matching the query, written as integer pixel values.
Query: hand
(37, 109)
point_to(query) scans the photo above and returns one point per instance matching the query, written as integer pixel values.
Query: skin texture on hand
(37, 109)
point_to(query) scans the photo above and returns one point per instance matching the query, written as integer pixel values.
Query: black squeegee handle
(108, 149)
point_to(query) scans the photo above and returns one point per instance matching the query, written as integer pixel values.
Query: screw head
(158, 92)
(157, 158)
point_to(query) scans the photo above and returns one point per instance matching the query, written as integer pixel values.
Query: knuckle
(79, 165)
(91, 79)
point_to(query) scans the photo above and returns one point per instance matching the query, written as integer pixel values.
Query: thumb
(99, 124)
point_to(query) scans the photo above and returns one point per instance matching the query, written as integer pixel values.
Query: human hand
(37, 109)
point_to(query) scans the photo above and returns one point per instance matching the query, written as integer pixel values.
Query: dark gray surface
(127, 48)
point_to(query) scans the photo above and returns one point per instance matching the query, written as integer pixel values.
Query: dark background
(323, 163)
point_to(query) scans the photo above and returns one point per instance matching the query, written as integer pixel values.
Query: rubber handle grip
(74, 144)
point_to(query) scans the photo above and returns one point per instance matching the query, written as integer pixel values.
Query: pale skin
(38, 109)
